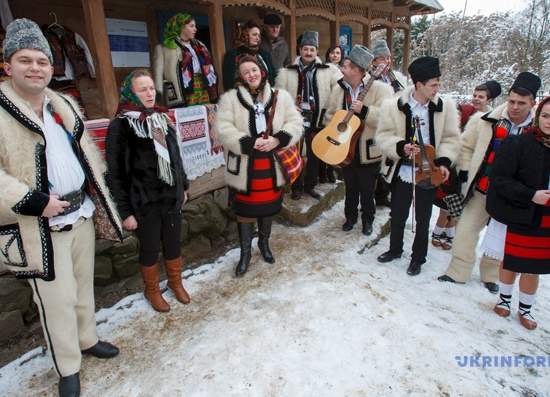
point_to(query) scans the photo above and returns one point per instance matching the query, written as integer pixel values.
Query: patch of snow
(323, 320)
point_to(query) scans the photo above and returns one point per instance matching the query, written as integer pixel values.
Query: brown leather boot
(151, 279)
(173, 271)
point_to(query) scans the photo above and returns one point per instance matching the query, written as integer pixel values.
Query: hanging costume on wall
(183, 71)
(72, 59)
(6, 17)
(3, 75)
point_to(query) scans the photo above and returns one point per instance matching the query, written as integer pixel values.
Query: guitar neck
(360, 97)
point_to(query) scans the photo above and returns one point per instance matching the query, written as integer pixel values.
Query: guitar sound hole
(342, 127)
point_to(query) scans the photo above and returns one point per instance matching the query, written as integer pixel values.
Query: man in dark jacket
(483, 135)
(273, 43)
(252, 38)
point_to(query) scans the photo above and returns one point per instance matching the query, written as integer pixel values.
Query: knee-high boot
(264, 231)
(245, 239)
(173, 272)
(151, 279)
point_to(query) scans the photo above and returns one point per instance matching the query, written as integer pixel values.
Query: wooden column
(217, 40)
(292, 29)
(94, 18)
(389, 38)
(406, 50)
(367, 30)
(335, 26)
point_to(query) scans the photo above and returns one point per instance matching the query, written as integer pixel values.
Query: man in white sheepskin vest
(483, 136)
(309, 81)
(51, 175)
(360, 175)
(398, 82)
(398, 137)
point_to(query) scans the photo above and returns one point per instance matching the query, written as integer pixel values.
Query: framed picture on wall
(345, 38)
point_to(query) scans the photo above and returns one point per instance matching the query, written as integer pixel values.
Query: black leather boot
(245, 239)
(264, 231)
(102, 349)
(69, 386)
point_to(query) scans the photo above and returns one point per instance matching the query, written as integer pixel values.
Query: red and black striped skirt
(264, 199)
(528, 250)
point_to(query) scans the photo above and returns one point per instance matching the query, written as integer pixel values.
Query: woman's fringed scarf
(152, 123)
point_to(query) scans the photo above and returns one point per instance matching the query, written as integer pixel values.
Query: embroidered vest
(63, 42)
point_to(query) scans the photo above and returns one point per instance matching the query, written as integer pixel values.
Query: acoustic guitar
(335, 144)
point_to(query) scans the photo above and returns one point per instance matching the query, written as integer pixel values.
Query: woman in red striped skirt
(519, 196)
(252, 172)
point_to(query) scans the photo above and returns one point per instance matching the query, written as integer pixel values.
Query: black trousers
(383, 189)
(326, 171)
(400, 204)
(360, 181)
(155, 227)
(310, 175)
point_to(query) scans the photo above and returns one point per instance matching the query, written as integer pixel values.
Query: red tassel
(57, 118)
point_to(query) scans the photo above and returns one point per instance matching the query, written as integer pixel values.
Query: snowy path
(322, 321)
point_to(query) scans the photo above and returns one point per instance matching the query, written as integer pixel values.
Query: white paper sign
(129, 43)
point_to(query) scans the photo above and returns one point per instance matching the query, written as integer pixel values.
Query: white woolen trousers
(472, 221)
(66, 304)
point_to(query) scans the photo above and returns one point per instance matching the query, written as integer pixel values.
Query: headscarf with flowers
(173, 28)
(152, 123)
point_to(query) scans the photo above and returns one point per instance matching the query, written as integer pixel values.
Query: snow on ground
(322, 321)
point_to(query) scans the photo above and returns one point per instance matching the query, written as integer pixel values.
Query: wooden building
(217, 21)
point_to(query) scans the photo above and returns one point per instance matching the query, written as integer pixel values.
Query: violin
(426, 172)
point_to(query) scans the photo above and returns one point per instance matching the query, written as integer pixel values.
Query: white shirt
(421, 111)
(259, 113)
(354, 93)
(194, 56)
(65, 174)
(517, 127)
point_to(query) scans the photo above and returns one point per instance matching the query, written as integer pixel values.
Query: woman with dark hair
(252, 172)
(148, 183)
(335, 55)
(252, 37)
(184, 70)
(519, 197)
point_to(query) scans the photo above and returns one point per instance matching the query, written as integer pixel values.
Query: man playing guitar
(360, 175)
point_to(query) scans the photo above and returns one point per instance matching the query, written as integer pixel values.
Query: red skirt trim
(530, 253)
(527, 241)
(261, 164)
(262, 184)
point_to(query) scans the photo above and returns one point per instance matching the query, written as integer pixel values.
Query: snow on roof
(427, 6)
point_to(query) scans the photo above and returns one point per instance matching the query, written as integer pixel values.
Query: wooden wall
(311, 23)
(70, 14)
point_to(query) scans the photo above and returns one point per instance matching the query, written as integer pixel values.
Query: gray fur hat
(361, 56)
(23, 33)
(310, 38)
(380, 49)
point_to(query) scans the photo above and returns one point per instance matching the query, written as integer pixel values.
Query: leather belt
(68, 228)
(75, 199)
